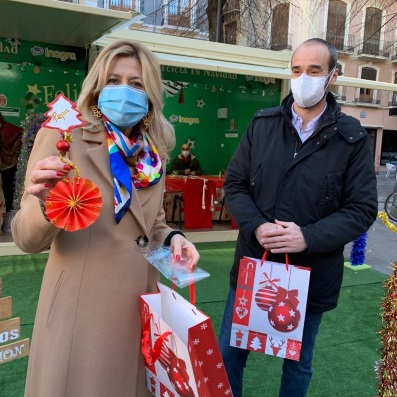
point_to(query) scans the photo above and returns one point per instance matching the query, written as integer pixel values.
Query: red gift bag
(180, 348)
(270, 306)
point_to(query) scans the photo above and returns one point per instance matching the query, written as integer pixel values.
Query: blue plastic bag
(177, 272)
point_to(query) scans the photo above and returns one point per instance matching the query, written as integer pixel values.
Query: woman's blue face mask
(123, 105)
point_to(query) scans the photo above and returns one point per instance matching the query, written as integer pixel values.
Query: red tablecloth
(175, 185)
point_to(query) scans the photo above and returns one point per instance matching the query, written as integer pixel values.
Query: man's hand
(283, 237)
(261, 231)
(187, 171)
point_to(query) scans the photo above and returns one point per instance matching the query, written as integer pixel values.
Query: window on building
(372, 30)
(336, 23)
(122, 5)
(279, 27)
(231, 32)
(366, 94)
(179, 13)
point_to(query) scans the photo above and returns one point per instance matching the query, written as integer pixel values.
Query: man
(185, 163)
(302, 182)
(12, 141)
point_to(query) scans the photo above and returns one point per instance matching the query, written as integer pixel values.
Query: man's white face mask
(185, 153)
(307, 90)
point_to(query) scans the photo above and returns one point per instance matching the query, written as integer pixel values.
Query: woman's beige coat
(86, 337)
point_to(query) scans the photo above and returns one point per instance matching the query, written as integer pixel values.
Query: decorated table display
(175, 185)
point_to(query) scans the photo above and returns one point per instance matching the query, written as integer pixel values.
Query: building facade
(365, 35)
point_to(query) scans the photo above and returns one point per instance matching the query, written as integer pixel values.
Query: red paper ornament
(283, 314)
(73, 204)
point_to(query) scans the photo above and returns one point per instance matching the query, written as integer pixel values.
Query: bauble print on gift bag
(270, 307)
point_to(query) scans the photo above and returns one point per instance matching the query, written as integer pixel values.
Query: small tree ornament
(256, 344)
(72, 204)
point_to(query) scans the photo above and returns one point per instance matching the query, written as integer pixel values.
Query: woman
(86, 339)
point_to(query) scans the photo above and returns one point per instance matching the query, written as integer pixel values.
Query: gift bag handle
(265, 255)
(152, 353)
(192, 293)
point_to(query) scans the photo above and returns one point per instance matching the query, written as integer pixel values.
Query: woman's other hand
(181, 247)
(45, 175)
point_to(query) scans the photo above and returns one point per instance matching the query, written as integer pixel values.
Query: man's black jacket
(327, 186)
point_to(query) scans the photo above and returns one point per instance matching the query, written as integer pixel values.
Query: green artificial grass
(357, 267)
(347, 344)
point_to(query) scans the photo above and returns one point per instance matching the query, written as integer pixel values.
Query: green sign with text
(33, 74)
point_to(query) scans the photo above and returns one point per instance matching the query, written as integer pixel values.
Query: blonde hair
(159, 129)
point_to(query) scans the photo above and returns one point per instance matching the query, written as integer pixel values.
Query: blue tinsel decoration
(357, 255)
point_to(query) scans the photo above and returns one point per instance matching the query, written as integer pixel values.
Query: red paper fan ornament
(73, 204)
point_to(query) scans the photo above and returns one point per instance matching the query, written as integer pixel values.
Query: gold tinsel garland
(382, 215)
(385, 368)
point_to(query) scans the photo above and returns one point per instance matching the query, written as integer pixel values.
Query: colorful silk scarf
(148, 168)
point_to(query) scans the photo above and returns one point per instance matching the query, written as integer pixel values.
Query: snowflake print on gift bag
(180, 348)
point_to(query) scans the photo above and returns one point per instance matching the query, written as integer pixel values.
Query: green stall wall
(32, 74)
(212, 110)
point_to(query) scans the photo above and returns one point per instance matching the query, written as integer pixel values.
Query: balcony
(118, 5)
(348, 45)
(344, 43)
(367, 101)
(122, 5)
(375, 51)
(393, 102)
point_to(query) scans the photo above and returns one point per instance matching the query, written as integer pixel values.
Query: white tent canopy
(57, 22)
(200, 54)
